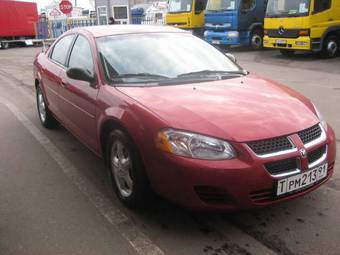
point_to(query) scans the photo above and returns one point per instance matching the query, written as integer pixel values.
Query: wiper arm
(133, 75)
(210, 72)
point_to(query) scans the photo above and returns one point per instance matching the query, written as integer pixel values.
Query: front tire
(331, 47)
(127, 174)
(256, 40)
(45, 116)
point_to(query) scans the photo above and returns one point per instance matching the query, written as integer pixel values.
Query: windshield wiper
(212, 72)
(143, 75)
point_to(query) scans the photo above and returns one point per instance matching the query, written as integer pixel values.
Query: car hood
(241, 109)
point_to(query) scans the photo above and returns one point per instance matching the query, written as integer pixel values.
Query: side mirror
(231, 57)
(80, 74)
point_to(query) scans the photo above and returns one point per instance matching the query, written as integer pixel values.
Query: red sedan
(171, 114)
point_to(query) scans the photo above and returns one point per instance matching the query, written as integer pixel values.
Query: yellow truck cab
(187, 14)
(307, 25)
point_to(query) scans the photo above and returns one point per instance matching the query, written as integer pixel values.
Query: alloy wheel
(121, 164)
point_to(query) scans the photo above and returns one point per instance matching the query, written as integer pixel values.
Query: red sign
(65, 6)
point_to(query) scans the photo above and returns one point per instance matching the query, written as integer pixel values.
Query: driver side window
(247, 5)
(200, 6)
(81, 55)
(322, 5)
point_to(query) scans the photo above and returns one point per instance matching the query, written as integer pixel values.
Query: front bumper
(224, 38)
(240, 183)
(301, 43)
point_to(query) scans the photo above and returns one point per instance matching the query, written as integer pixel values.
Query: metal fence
(54, 28)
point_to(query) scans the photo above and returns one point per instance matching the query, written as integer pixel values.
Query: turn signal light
(304, 32)
(265, 32)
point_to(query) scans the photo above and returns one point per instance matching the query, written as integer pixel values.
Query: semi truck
(235, 22)
(303, 25)
(17, 22)
(187, 14)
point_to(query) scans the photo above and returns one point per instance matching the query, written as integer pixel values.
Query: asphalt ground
(55, 197)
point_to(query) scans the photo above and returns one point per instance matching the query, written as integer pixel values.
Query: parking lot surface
(55, 197)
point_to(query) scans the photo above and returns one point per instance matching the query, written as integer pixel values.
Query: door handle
(63, 84)
(330, 19)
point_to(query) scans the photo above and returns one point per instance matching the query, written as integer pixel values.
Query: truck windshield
(180, 5)
(220, 5)
(287, 8)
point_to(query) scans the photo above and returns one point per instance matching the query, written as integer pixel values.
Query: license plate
(215, 42)
(281, 41)
(301, 181)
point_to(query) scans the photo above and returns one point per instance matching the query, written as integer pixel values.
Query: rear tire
(256, 40)
(45, 116)
(287, 53)
(330, 47)
(126, 171)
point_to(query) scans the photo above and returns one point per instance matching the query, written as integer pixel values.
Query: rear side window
(81, 56)
(61, 48)
(322, 5)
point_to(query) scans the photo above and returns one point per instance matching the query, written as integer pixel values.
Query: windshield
(162, 57)
(288, 8)
(219, 5)
(180, 5)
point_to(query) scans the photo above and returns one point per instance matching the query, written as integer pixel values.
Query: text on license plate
(215, 42)
(301, 181)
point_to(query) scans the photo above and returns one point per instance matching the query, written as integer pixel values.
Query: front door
(50, 73)
(78, 98)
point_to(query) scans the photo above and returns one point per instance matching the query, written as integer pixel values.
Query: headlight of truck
(320, 116)
(205, 34)
(233, 34)
(193, 145)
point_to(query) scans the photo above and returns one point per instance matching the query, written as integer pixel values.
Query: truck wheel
(256, 40)
(4, 45)
(330, 47)
(126, 171)
(287, 53)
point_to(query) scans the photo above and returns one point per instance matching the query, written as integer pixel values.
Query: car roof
(100, 31)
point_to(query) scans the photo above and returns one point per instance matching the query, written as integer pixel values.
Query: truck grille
(282, 166)
(310, 134)
(316, 154)
(287, 33)
(272, 145)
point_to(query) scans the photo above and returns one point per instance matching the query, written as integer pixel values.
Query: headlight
(319, 115)
(233, 34)
(194, 145)
(205, 34)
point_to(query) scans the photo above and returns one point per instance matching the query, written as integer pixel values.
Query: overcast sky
(81, 3)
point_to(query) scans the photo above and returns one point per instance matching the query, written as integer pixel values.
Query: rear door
(78, 98)
(50, 72)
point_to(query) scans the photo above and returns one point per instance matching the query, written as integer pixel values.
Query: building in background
(118, 9)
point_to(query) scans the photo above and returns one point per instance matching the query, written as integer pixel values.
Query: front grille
(282, 166)
(310, 134)
(212, 195)
(316, 154)
(268, 146)
(216, 38)
(288, 33)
